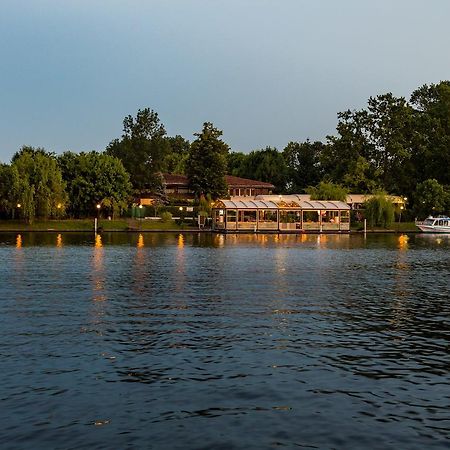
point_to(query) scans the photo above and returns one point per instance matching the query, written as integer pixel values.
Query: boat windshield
(428, 222)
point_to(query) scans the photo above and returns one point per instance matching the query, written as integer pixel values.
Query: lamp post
(400, 217)
(140, 215)
(98, 206)
(18, 207)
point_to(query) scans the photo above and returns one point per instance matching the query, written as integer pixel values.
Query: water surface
(202, 341)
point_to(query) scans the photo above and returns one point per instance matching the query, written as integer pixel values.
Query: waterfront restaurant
(287, 213)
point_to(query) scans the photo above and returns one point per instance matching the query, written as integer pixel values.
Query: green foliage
(235, 163)
(264, 165)
(379, 211)
(430, 197)
(431, 151)
(206, 165)
(204, 205)
(10, 189)
(95, 178)
(327, 191)
(303, 164)
(166, 216)
(142, 149)
(40, 190)
(176, 156)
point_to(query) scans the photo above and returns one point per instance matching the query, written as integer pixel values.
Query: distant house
(177, 186)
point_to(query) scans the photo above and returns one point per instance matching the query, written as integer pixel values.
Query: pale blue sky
(264, 71)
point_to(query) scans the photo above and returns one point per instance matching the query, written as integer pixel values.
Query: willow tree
(379, 211)
(41, 189)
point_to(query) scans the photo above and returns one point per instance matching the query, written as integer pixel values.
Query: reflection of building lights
(59, 240)
(98, 241)
(180, 241)
(140, 242)
(403, 242)
(19, 241)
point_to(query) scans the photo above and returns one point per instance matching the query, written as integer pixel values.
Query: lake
(202, 341)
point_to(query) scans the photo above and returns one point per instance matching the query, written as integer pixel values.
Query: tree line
(392, 145)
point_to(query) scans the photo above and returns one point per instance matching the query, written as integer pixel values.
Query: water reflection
(19, 241)
(59, 240)
(403, 242)
(228, 343)
(98, 271)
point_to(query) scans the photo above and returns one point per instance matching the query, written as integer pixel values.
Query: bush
(379, 211)
(166, 216)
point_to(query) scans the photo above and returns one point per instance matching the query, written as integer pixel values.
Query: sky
(266, 72)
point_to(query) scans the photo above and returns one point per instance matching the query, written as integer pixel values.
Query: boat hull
(431, 225)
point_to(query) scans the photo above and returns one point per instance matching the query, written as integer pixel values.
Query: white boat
(440, 224)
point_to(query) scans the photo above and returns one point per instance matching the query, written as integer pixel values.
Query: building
(283, 213)
(177, 186)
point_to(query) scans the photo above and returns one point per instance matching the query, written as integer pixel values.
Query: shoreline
(191, 230)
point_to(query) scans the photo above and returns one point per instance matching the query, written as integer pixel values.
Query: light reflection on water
(213, 341)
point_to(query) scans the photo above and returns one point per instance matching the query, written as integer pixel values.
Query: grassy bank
(88, 225)
(402, 227)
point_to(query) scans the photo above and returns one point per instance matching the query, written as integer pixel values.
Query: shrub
(166, 216)
(379, 211)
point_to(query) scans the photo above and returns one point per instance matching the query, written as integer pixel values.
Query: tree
(431, 151)
(303, 164)
(95, 178)
(378, 138)
(266, 165)
(41, 189)
(339, 156)
(236, 163)
(379, 211)
(328, 191)
(142, 149)
(9, 189)
(430, 197)
(177, 154)
(206, 165)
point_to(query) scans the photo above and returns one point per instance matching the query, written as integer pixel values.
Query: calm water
(210, 342)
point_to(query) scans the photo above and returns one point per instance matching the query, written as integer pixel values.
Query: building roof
(240, 203)
(173, 178)
(232, 181)
(275, 203)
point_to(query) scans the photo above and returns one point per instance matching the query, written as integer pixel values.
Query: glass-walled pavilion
(287, 213)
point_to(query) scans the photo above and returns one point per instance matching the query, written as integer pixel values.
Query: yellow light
(403, 242)
(59, 240)
(19, 205)
(98, 241)
(98, 206)
(140, 206)
(180, 241)
(140, 242)
(59, 206)
(180, 208)
(19, 241)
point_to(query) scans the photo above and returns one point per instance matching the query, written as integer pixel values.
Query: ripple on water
(244, 342)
